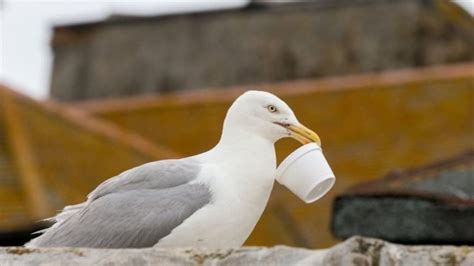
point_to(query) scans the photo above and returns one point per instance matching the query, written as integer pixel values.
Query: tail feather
(67, 212)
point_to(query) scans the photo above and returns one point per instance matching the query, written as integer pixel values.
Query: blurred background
(89, 89)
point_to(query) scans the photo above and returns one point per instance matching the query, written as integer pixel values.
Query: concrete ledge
(354, 251)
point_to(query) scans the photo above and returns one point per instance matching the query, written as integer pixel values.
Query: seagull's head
(265, 114)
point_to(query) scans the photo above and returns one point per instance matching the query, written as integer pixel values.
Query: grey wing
(154, 175)
(151, 176)
(131, 219)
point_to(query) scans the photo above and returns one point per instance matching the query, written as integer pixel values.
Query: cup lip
(294, 156)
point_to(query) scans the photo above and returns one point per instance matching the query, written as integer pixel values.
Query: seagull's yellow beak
(303, 134)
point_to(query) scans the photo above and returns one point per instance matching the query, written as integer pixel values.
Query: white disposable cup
(306, 173)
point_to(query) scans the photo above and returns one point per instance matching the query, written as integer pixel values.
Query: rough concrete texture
(432, 204)
(256, 44)
(355, 251)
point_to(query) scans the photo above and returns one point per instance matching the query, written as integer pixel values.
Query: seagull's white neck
(244, 144)
(248, 155)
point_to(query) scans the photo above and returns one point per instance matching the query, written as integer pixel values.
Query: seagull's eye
(272, 108)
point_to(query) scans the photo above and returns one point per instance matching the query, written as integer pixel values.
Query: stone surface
(354, 251)
(255, 44)
(433, 204)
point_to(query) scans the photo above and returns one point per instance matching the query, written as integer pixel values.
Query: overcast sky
(25, 31)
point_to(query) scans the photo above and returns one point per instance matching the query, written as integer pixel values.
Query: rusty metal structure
(51, 156)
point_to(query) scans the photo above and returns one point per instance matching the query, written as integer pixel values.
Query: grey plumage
(154, 175)
(135, 209)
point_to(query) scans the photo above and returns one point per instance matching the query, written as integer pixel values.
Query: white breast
(240, 195)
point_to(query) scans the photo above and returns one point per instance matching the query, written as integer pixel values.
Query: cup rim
(294, 156)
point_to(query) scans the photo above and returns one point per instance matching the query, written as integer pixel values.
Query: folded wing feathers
(154, 175)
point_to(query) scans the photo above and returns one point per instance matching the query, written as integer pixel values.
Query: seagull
(211, 200)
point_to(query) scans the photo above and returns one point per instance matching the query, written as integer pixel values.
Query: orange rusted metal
(26, 164)
(61, 154)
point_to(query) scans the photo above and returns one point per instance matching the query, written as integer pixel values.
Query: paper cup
(306, 173)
